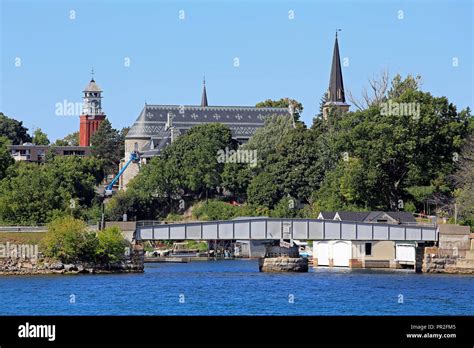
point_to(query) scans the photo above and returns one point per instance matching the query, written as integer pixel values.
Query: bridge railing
(270, 228)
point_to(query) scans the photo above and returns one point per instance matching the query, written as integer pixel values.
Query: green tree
(13, 130)
(69, 241)
(6, 159)
(262, 191)
(284, 103)
(399, 149)
(285, 208)
(464, 178)
(267, 139)
(236, 178)
(105, 145)
(32, 194)
(28, 195)
(40, 138)
(123, 133)
(300, 163)
(71, 139)
(111, 245)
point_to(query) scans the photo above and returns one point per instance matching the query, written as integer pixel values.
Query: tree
(111, 245)
(266, 139)
(40, 138)
(32, 194)
(194, 157)
(262, 191)
(105, 145)
(284, 103)
(122, 135)
(6, 159)
(13, 130)
(68, 240)
(401, 149)
(299, 163)
(464, 178)
(189, 167)
(28, 195)
(236, 178)
(378, 86)
(71, 139)
(344, 188)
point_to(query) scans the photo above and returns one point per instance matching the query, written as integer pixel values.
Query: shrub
(215, 210)
(69, 240)
(111, 245)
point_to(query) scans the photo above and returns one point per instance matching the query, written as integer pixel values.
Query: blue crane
(135, 158)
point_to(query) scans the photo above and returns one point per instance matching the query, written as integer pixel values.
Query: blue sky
(168, 56)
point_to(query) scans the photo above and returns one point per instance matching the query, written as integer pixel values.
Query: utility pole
(455, 213)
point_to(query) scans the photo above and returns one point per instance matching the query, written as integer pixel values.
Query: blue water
(237, 288)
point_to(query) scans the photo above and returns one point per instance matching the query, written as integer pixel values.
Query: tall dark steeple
(336, 97)
(204, 94)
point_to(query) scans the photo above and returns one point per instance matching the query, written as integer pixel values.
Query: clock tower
(92, 114)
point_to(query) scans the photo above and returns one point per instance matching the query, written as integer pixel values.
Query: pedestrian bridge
(269, 228)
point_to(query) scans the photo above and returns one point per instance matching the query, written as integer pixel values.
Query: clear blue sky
(278, 57)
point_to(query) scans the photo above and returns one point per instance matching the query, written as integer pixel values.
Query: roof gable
(242, 120)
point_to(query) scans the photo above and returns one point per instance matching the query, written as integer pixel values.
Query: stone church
(158, 125)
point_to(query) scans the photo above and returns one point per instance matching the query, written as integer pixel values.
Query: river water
(236, 287)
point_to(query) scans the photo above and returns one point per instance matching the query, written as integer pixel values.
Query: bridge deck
(268, 228)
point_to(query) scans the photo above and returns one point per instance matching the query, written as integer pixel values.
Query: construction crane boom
(134, 157)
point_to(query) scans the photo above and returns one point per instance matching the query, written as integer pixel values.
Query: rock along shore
(134, 263)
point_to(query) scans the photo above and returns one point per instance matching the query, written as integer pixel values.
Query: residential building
(37, 153)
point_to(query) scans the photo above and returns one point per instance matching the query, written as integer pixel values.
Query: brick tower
(92, 114)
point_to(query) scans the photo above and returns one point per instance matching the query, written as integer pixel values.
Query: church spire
(335, 96)
(204, 93)
(336, 84)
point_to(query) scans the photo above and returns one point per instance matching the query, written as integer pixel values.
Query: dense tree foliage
(33, 193)
(40, 138)
(464, 178)
(69, 240)
(13, 130)
(296, 106)
(71, 139)
(107, 145)
(6, 159)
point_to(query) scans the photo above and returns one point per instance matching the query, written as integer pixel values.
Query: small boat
(182, 250)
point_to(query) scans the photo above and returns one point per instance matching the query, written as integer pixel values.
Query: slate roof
(328, 215)
(353, 215)
(92, 87)
(155, 146)
(400, 216)
(242, 120)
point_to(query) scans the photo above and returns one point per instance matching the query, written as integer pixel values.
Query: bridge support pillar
(281, 259)
(419, 256)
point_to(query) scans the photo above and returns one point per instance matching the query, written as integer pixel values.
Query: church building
(158, 125)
